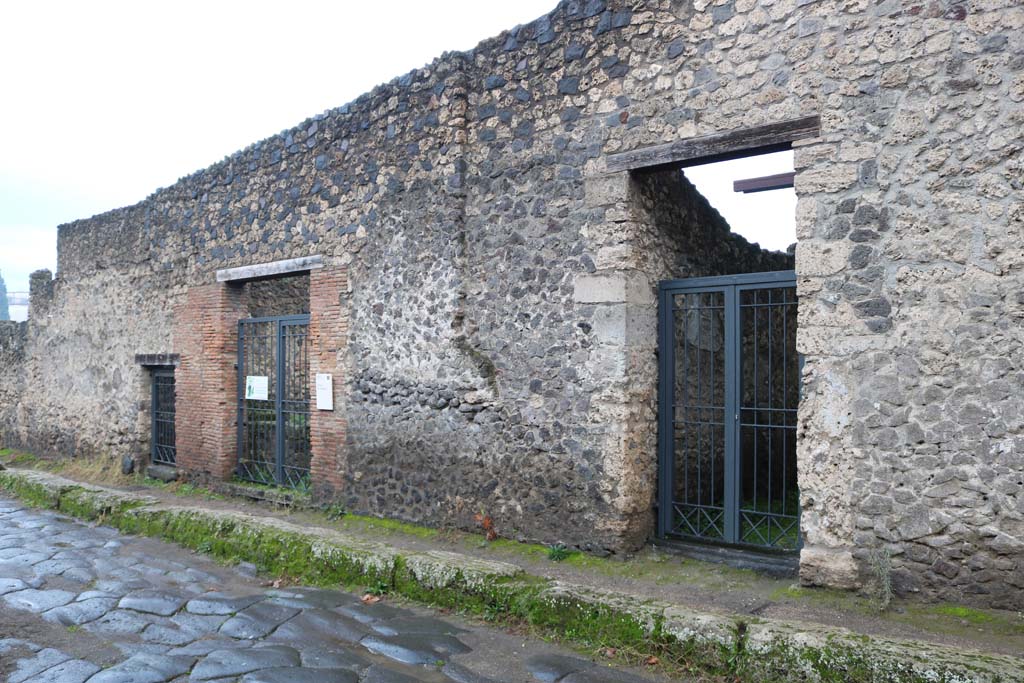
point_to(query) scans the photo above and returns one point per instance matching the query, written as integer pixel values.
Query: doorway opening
(163, 446)
(718, 216)
(274, 436)
(729, 388)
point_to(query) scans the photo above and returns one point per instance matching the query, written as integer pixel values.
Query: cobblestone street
(84, 603)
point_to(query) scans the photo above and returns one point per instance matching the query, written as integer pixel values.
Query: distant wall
(12, 377)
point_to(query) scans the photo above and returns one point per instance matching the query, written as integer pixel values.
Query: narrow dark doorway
(729, 381)
(162, 445)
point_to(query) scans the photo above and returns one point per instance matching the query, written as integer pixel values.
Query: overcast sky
(103, 102)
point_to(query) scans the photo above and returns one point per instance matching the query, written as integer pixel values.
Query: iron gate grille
(273, 433)
(728, 393)
(162, 450)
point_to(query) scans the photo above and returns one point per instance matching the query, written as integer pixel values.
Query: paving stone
(55, 567)
(167, 634)
(257, 621)
(145, 668)
(129, 648)
(89, 595)
(194, 575)
(247, 569)
(28, 668)
(293, 675)
(372, 613)
(14, 552)
(80, 612)
(321, 626)
(381, 674)
(11, 585)
(602, 676)
(235, 662)
(73, 671)
(460, 674)
(119, 621)
(121, 586)
(35, 600)
(21, 560)
(416, 624)
(11, 644)
(152, 602)
(415, 648)
(79, 575)
(549, 668)
(208, 644)
(310, 597)
(199, 623)
(336, 658)
(218, 603)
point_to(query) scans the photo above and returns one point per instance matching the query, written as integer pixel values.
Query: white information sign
(324, 391)
(256, 387)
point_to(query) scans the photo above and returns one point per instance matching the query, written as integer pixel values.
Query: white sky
(103, 102)
(768, 218)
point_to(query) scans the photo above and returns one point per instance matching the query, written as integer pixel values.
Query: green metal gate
(729, 383)
(273, 401)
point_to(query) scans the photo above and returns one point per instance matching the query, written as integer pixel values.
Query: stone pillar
(328, 335)
(623, 362)
(40, 286)
(206, 337)
(625, 328)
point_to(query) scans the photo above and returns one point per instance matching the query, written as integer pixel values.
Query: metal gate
(162, 447)
(729, 383)
(273, 401)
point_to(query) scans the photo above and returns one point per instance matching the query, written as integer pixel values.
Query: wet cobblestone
(178, 617)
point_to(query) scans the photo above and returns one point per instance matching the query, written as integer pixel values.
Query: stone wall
(287, 295)
(499, 350)
(12, 362)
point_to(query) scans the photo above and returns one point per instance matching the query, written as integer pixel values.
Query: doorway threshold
(774, 564)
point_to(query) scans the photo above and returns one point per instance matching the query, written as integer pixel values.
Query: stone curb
(427, 575)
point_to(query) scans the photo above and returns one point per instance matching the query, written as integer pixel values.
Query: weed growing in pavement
(558, 552)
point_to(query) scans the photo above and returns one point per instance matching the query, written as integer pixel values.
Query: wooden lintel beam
(779, 181)
(718, 146)
(272, 269)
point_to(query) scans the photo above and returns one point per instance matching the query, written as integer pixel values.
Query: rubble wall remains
(499, 353)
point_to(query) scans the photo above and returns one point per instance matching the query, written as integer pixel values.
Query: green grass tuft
(387, 525)
(558, 552)
(968, 614)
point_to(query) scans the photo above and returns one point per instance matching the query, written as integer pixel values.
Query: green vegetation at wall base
(523, 601)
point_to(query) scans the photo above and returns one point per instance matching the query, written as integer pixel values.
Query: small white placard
(256, 387)
(324, 391)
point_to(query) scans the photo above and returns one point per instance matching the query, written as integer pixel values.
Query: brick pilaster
(206, 337)
(328, 333)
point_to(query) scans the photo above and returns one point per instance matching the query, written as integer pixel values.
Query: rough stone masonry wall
(481, 233)
(12, 361)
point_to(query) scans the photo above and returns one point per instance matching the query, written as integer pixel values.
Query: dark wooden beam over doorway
(742, 142)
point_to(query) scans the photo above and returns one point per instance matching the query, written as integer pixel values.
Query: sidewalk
(705, 618)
